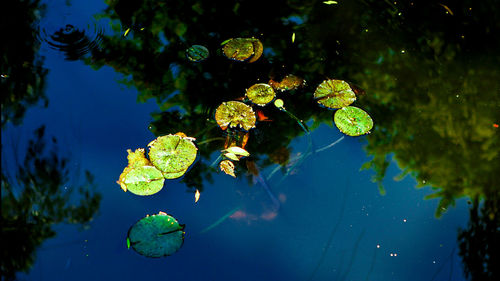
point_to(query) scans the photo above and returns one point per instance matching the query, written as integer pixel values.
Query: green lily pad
(197, 53)
(260, 94)
(140, 176)
(353, 121)
(242, 49)
(235, 113)
(172, 154)
(334, 94)
(156, 236)
(174, 175)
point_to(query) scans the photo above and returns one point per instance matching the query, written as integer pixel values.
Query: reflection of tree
(412, 75)
(480, 241)
(430, 77)
(23, 76)
(34, 200)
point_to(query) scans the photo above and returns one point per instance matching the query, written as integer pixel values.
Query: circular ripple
(73, 40)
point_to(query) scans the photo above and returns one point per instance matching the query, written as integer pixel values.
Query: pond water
(414, 199)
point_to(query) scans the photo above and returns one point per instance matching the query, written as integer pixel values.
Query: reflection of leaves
(156, 236)
(235, 113)
(34, 201)
(140, 176)
(24, 82)
(479, 243)
(353, 121)
(334, 94)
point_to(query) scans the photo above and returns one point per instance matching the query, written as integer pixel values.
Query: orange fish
(262, 117)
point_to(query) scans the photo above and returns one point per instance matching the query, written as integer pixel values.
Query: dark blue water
(333, 223)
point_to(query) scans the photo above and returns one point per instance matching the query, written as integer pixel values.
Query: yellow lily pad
(334, 93)
(242, 49)
(260, 94)
(227, 167)
(234, 114)
(140, 176)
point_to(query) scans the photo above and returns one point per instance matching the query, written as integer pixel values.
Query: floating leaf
(156, 236)
(172, 154)
(242, 49)
(334, 94)
(290, 82)
(260, 94)
(353, 121)
(197, 53)
(330, 2)
(279, 103)
(258, 49)
(140, 176)
(238, 151)
(128, 243)
(235, 113)
(174, 175)
(227, 167)
(232, 156)
(196, 196)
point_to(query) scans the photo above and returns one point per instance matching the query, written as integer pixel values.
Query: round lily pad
(235, 113)
(242, 49)
(156, 236)
(260, 94)
(172, 154)
(353, 121)
(145, 180)
(197, 53)
(334, 94)
(140, 176)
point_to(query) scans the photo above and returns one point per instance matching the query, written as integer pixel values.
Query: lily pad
(353, 121)
(174, 175)
(140, 176)
(197, 53)
(260, 94)
(172, 154)
(235, 113)
(156, 236)
(290, 82)
(334, 94)
(242, 49)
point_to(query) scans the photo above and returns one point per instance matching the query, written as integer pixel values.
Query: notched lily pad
(235, 113)
(242, 49)
(260, 94)
(172, 154)
(334, 94)
(197, 53)
(156, 236)
(353, 121)
(140, 176)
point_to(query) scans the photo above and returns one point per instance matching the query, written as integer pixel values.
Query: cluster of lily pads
(238, 49)
(170, 156)
(338, 94)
